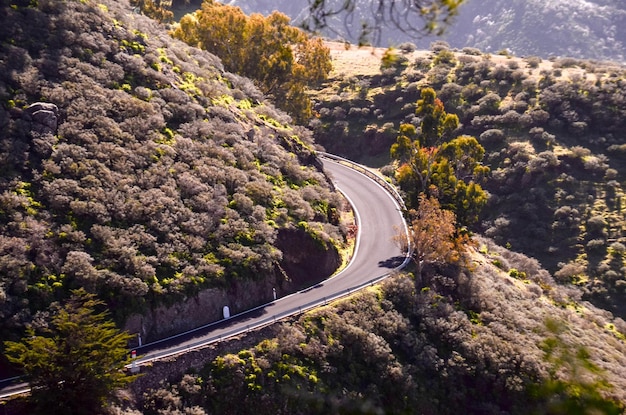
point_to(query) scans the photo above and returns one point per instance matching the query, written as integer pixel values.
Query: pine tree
(77, 360)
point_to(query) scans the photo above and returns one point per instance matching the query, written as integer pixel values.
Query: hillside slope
(136, 167)
(475, 342)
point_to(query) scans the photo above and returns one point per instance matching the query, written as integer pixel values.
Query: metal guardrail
(267, 320)
(369, 173)
(309, 306)
(381, 181)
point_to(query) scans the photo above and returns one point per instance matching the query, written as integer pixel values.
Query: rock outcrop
(44, 117)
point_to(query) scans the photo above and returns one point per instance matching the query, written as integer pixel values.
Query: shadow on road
(391, 263)
(199, 332)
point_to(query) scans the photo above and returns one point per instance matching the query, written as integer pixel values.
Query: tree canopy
(280, 58)
(437, 165)
(432, 235)
(75, 362)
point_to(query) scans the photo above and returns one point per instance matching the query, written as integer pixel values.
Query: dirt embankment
(349, 60)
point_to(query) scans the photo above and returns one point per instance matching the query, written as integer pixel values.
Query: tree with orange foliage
(281, 59)
(432, 235)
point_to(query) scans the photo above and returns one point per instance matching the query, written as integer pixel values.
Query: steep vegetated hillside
(134, 166)
(553, 133)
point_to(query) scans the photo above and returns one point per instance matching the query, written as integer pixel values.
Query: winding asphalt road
(378, 217)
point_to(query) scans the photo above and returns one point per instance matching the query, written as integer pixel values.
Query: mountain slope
(580, 29)
(135, 167)
(474, 342)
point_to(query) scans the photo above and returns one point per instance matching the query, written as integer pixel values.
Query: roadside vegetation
(281, 59)
(501, 337)
(146, 172)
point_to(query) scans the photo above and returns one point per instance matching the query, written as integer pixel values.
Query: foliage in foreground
(75, 362)
(579, 387)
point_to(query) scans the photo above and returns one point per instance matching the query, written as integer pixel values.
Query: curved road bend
(378, 216)
(376, 255)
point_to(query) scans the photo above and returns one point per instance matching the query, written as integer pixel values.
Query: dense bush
(472, 343)
(282, 59)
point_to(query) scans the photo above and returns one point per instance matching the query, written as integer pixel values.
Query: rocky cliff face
(306, 261)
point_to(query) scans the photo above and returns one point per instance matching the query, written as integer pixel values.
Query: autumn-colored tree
(156, 9)
(281, 59)
(432, 235)
(76, 362)
(433, 163)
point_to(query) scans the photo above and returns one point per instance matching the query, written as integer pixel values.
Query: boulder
(44, 117)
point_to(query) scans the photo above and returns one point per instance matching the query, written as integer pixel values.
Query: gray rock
(42, 106)
(44, 117)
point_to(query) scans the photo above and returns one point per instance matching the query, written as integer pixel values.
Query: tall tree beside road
(435, 164)
(77, 360)
(432, 235)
